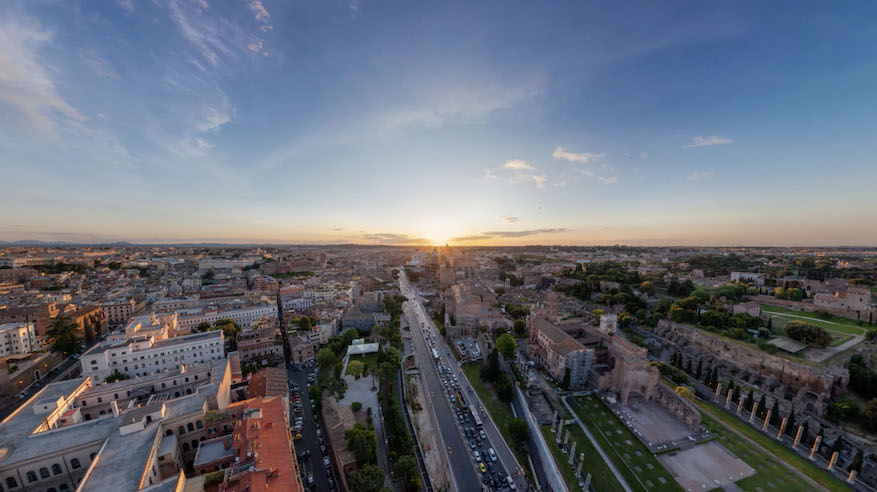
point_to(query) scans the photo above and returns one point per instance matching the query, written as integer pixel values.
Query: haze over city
(486, 123)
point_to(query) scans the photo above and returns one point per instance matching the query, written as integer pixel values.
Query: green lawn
(763, 463)
(624, 448)
(602, 477)
(370, 361)
(500, 413)
(839, 340)
(833, 323)
(767, 469)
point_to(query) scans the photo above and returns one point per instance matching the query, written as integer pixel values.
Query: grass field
(640, 468)
(602, 477)
(833, 323)
(370, 361)
(768, 469)
(500, 413)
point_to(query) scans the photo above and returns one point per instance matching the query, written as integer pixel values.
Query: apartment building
(256, 344)
(142, 356)
(301, 349)
(17, 338)
(245, 317)
(120, 311)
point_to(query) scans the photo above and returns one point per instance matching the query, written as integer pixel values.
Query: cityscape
(361, 246)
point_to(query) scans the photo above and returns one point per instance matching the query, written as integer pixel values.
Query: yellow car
(296, 436)
(481, 466)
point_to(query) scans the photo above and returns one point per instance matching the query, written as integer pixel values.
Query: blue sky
(414, 122)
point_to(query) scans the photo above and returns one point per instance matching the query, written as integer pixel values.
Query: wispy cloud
(707, 141)
(262, 15)
(518, 165)
(392, 238)
(354, 6)
(507, 234)
(580, 157)
(216, 37)
(26, 82)
(511, 218)
(697, 176)
(101, 66)
(256, 47)
(608, 179)
(126, 4)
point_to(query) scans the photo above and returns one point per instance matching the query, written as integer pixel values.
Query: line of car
(296, 429)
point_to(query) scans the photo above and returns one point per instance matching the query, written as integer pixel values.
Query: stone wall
(831, 382)
(679, 407)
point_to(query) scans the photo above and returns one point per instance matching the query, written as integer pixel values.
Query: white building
(756, 278)
(136, 357)
(225, 263)
(244, 317)
(17, 338)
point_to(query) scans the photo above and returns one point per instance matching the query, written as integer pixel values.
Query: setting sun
(438, 231)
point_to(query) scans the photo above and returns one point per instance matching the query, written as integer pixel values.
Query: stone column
(798, 436)
(728, 400)
(579, 469)
(572, 452)
(766, 421)
(852, 477)
(554, 423)
(833, 461)
(740, 405)
(815, 446)
(559, 430)
(782, 428)
(718, 390)
(587, 482)
(566, 438)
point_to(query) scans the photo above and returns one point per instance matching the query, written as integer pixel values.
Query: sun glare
(438, 231)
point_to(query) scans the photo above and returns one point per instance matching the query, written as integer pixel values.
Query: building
(38, 314)
(256, 344)
(337, 419)
(91, 321)
(557, 351)
(364, 315)
(148, 325)
(142, 442)
(269, 381)
(750, 308)
(748, 277)
(245, 317)
(301, 350)
(119, 312)
(142, 356)
(17, 338)
(319, 335)
(224, 263)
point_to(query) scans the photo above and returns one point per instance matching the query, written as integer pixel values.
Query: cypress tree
(688, 367)
(750, 399)
(770, 323)
(775, 414)
(762, 407)
(837, 446)
(715, 379)
(805, 434)
(730, 388)
(856, 464)
(736, 396)
(790, 424)
(699, 369)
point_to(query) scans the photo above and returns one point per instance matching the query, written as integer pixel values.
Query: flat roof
(788, 344)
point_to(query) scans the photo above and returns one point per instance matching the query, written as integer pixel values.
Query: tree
(63, 335)
(506, 345)
(315, 393)
(699, 369)
(714, 379)
(406, 466)
(567, 375)
(790, 424)
(362, 443)
(116, 376)
(520, 328)
(355, 368)
(688, 367)
(504, 388)
(519, 432)
(735, 397)
(326, 357)
(491, 371)
(647, 288)
(368, 478)
(813, 335)
(837, 446)
(871, 415)
(750, 399)
(775, 414)
(203, 326)
(356, 406)
(856, 464)
(805, 433)
(762, 407)
(393, 357)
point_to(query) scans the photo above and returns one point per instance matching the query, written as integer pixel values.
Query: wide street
(463, 465)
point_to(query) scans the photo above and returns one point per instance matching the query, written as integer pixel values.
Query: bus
(435, 354)
(475, 417)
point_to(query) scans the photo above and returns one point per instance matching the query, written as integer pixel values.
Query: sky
(469, 123)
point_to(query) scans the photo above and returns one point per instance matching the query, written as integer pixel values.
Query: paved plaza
(705, 467)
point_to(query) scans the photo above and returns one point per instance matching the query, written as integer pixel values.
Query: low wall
(679, 407)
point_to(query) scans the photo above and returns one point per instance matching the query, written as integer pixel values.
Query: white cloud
(608, 179)
(26, 80)
(213, 118)
(538, 180)
(354, 6)
(518, 165)
(256, 47)
(262, 15)
(707, 141)
(126, 4)
(489, 174)
(582, 157)
(697, 176)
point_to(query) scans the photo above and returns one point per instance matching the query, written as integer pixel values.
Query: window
(191, 427)
(63, 487)
(56, 469)
(168, 432)
(94, 362)
(83, 403)
(44, 472)
(74, 463)
(100, 400)
(185, 446)
(91, 456)
(31, 476)
(115, 396)
(181, 430)
(199, 424)
(11, 483)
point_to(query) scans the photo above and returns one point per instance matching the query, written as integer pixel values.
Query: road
(463, 465)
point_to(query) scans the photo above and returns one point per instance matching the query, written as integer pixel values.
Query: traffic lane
(456, 448)
(502, 469)
(308, 440)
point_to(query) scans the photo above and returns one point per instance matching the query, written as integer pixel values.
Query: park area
(369, 361)
(827, 321)
(602, 477)
(640, 468)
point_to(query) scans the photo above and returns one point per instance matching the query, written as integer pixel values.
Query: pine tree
(714, 380)
(837, 446)
(736, 396)
(770, 323)
(730, 388)
(762, 407)
(822, 443)
(672, 360)
(699, 369)
(688, 367)
(805, 434)
(775, 414)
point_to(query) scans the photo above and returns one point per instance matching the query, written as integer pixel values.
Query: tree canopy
(63, 335)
